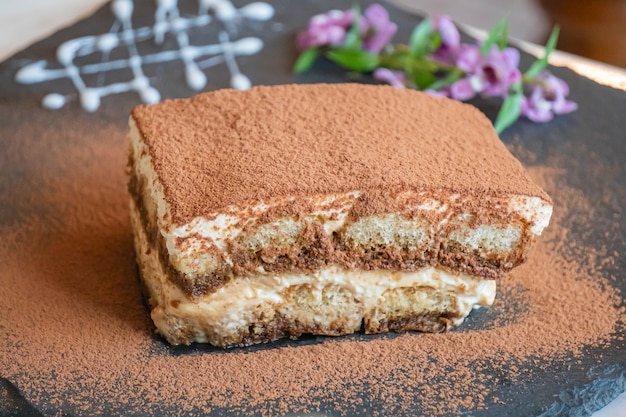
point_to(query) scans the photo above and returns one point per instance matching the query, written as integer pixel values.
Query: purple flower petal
(498, 71)
(376, 15)
(395, 78)
(525, 106)
(469, 58)
(493, 90)
(450, 47)
(514, 76)
(539, 115)
(364, 27)
(511, 57)
(319, 20)
(450, 36)
(340, 18)
(376, 28)
(537, 96)
(563, 106)
(440, 94)
(536, 107)
(548, 99)
(380, 39)
(462, 90)
(336, 35)
(326, 29)
(556, 85)
(318, 37)
(477, 82)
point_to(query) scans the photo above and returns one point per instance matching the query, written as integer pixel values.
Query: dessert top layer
(233, 147)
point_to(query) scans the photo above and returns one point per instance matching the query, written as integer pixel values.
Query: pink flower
(394, 78)
(450, 40)
(326, 29)
(330, 29)
(491, 75)
(378, 29)
(445, 92)
(547, 99)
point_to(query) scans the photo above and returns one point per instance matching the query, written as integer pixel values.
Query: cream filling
(228, 308)
(231, 306)
(187, 243)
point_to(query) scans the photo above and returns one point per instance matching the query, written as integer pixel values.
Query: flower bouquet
(437, 62)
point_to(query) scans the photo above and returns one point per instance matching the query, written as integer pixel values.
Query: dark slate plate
(591, 143)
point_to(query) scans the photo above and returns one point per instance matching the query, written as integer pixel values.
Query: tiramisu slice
(322, 209)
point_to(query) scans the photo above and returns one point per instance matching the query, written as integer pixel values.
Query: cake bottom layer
(331, 301)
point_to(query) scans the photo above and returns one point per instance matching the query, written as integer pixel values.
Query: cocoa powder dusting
(230, 147)
(77, 337)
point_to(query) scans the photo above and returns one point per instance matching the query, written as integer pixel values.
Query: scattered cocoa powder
(78, 340)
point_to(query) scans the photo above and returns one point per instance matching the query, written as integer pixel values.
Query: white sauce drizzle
(167, 22)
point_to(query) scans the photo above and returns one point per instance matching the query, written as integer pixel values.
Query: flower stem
(399, 60)
(533, 81)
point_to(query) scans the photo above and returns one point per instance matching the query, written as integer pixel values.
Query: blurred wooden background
(592, 28)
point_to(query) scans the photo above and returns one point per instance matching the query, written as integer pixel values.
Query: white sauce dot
(150, 95)
(31, 73)
(122, 9)
(224, 10)
(258, 11)
(247, 46)
(53, 101)
(240, 82)
(209, 3)
(90, 99)
(67, 51)
(107, 42)
(141, 83)
(167, 4)
(195, 78)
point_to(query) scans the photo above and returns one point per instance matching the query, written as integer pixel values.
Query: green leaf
(516, 88)
(540, 64)
(509, 112)
(398, 59)
(497, 35)
(353, 37)
(305, 60)
(353, 59)
(452, 77)
(423, 79)
(504, 38)
(420, 38)
(435, 41)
